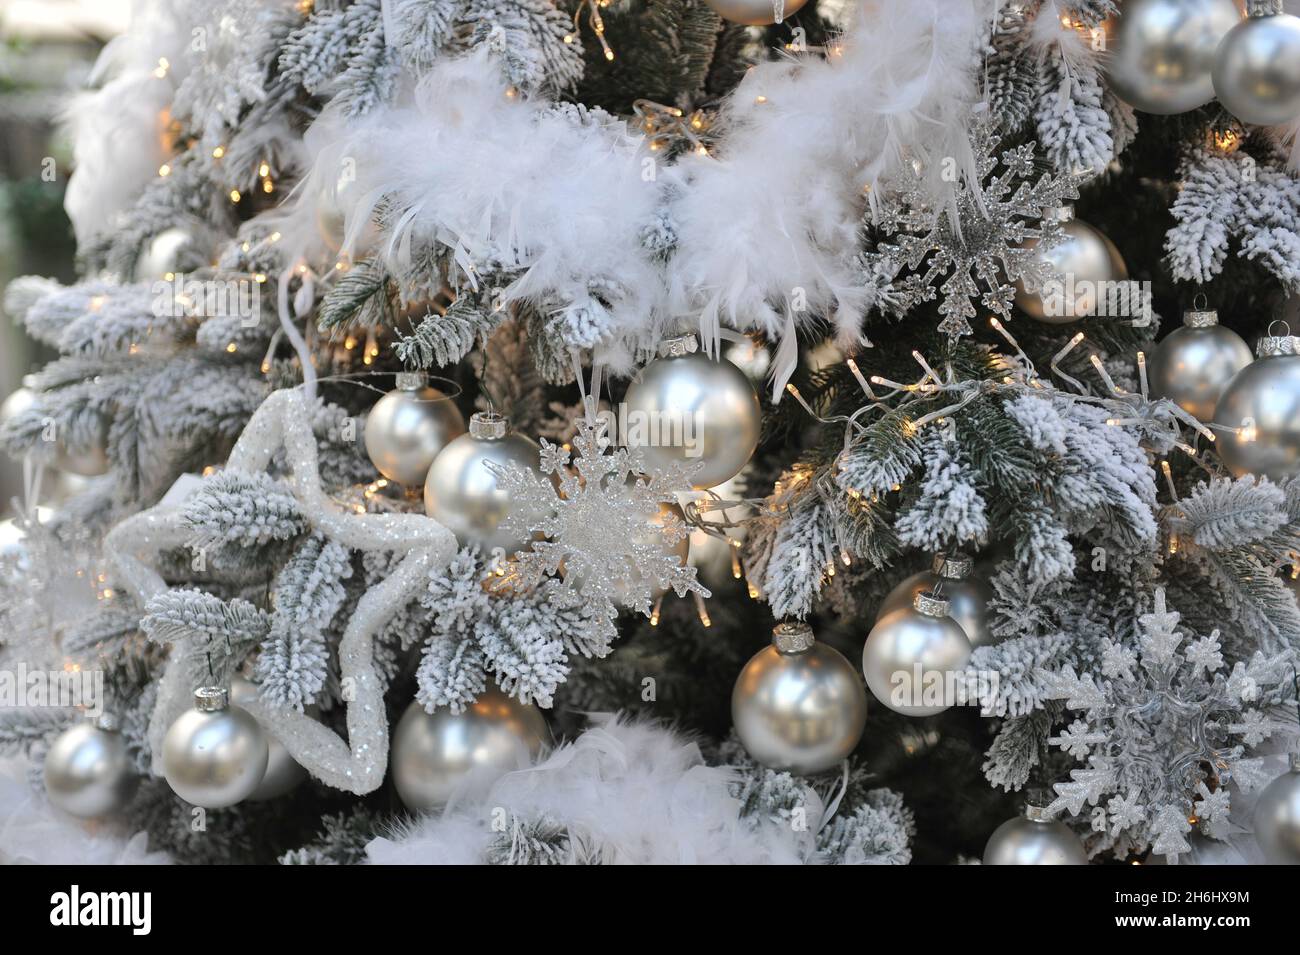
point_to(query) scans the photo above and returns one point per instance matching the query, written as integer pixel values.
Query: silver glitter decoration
(1160, 719)
(605, 525)
(357, 764)
(975, 238)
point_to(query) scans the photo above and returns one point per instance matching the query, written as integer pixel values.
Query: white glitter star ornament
(607, 526)
(975, 240)
(1165, 723)
(359, 763)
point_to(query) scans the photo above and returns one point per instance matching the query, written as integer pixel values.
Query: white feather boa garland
(628, 792)
(766, 229)
(34, 832)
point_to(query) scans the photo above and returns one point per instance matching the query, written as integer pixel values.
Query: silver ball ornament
(88, 772)
(462, 493)
(1259, 412)
(165, 255)
(435, 754)
(1160, 53)
(756, 13)
(798, 705)
(912, 653)
(1277, 817)
(685, 407)
(968, 596)
(1033, 839)
(1086, 262)
(283, 772)
(408, 427)
(1192, 365)
(1257, 70)
(215, 754)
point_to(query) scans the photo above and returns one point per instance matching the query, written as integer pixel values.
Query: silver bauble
(1033, 839)
(968, 597)
(1083, 259)
(1159, 53)
(15, 403)
(755, 13)
(911, 653)
(407, 428)
(1277, 817)
(215, 754)
(436, 754)
(1192, 365)
(165, 255)
(1263, 402)
(1257, 70)
(283, 772)
(88, 772)
(462, 493)
(687, 407)
(798, 705)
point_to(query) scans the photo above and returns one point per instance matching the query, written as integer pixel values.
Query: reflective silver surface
(1257, 70)
(1267, 391)
(405, 430)
(967, 602)
(1083, 258)
(900, 641)
(434, 754)
(1277, 820)
(1192, 366)
(1022, 841)
(214, 759)
(1160, 53)
(754, 13)
(800, 712)
(462, 494)
(88, 772)
(691, 409)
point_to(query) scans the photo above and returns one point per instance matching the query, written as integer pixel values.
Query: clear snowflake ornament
(606, 535)
(974, 243)
(1162, 733)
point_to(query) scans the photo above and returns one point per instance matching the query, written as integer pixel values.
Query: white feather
(631, 792)
(34, 832)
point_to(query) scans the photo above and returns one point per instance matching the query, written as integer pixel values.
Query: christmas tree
(747, 431)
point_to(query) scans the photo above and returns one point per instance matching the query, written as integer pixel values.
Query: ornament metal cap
(106, 721)
(1271, 345)
(411, 380)
(792, 637)
(955, 566)
(1200, 318)
(211, 699)
(1061, 213)
(1036, 813)
(931, 604)
(488, 426)
(678, 346)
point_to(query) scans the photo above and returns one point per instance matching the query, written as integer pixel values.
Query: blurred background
(47, 49)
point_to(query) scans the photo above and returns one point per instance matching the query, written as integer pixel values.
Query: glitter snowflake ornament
(1162, 733)
(607, 535)
(974, 242)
